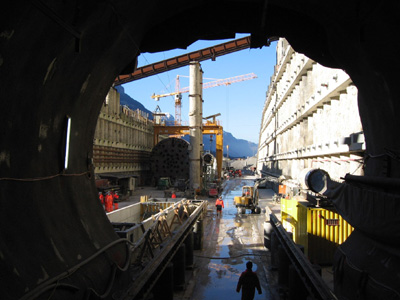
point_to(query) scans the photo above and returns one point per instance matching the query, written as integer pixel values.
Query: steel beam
(184, 60)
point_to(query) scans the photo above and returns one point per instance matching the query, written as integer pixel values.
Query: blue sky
(240, 103)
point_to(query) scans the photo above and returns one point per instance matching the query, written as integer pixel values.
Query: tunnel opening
(63, 224)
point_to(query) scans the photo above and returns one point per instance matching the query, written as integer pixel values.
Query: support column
(274, 251)
(219, 142)
(283, 267)
(195, 123)
(198, 231)
(189, 245)
(179, 262)
(164, 289)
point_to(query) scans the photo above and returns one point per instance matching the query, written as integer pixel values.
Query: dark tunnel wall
(58, 60)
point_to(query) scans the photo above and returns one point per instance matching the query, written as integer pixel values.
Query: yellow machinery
(248, 200)
(319, 230)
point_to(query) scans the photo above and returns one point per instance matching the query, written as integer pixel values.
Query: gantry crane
(179, 91)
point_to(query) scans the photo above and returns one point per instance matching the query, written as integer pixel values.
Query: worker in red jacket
(248, 282)
(116, 199)
(219, 204)
(101, 197)
(109, 202)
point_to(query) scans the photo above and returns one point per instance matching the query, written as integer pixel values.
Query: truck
(248, 200)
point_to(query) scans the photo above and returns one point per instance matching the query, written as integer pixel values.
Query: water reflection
(230, 241)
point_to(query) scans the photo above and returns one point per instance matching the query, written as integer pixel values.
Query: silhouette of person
(248, 282)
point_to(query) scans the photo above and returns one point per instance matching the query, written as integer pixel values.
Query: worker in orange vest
(219, 204)
(115, 199)
(101, 197)
(173, 196)
(109, 202)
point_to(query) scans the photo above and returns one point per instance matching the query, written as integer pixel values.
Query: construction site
(117, 203)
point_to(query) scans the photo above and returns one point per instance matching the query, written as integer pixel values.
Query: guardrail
(312, 281)
(158, 244)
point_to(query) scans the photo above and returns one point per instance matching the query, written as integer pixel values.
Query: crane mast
(179, 91)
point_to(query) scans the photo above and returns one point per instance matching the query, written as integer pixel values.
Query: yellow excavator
(248, 200)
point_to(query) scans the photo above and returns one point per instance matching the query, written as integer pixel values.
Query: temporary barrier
(319, 230)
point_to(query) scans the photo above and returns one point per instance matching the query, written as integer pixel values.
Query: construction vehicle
(212, 190)
(248, 200)
(163, 183)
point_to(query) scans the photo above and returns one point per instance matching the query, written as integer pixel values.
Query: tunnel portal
(57, 63)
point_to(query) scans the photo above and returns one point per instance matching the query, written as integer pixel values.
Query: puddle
(232, 240)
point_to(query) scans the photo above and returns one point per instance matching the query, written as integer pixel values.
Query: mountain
(237, 147)
(133, 104)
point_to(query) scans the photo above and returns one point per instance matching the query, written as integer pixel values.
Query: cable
(43, 178)
(58, 285)
(54, 282)
(109, 287)
(47, 11)
(119, 20)
(392, 153)
(228, 257)
(169, 80)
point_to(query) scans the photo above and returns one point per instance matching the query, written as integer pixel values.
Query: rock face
(238, 148)
(66, 55)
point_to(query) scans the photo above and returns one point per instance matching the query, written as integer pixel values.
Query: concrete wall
(135, 212)
(310, 119)
(123, 138)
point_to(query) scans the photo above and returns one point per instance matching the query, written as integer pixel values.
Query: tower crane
(179, 91)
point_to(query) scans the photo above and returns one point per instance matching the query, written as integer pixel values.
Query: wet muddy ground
(229, 242)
